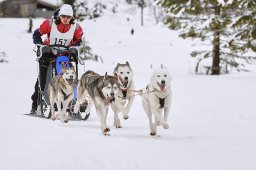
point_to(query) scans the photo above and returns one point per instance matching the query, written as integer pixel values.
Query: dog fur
(61, 91)
(102, 91)
(156, 98)
(125, 95)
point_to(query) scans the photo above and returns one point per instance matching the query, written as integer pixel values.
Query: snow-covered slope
(212, 121)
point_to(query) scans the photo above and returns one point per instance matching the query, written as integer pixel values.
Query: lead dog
(102, 91)
(156, 98)
(61, 92)
(125, 95)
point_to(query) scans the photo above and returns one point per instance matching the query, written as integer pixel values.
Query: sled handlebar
(57, 49)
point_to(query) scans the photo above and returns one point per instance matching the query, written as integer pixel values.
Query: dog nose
(112, 94)
(71, 77)
(126, 78)
(162, 82)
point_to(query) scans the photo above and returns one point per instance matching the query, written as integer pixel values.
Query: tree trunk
(142, 16)
(216, 47)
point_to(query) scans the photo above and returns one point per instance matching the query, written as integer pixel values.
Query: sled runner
(54, 69)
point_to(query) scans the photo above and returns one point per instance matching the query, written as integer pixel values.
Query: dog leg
(116, 110)
(102, 116)
(128, 107)
(147, 109)
(166, 113)
(53, 117)
(60, 111)
(64, 111)
(81, 95)
(158, 117)
(117, 122)
(106, 129)
(80, 100)
(89, 107)
(153, 127)
(158, 123)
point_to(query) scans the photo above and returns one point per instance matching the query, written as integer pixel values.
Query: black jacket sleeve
(37, 37)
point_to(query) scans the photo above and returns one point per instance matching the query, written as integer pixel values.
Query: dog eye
(158, 75)
(121, 72)
(128, 72)
(165, 75)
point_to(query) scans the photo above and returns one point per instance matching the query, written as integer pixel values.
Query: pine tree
(209, 21)
(245, 26)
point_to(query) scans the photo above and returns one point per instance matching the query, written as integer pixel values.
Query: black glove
(73, 54)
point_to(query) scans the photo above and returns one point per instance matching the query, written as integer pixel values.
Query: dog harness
(65, 95)
(124, 93)
(161, 100)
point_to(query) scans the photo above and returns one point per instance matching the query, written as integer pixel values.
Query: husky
(156, 98)
(102, 91)
(125, 95)
(61, 91)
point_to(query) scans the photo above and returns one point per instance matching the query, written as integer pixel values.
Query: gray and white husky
(156, 98)
(61, 91)
(102, 91)
(125, 95)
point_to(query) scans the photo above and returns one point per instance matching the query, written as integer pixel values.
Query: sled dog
(125, 95)
(102, 91)
(156, 98)
(61, 91)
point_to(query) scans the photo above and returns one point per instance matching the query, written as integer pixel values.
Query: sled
(44, 107)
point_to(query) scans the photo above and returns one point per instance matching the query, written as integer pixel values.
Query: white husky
(125, 95)
(156, 97)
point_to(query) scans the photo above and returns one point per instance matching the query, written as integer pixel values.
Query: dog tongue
(109, 100)
(161, 86)
(124, 82)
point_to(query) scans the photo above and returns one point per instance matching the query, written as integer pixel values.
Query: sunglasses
(65, 16)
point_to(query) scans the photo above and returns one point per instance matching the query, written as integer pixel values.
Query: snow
(212, 120)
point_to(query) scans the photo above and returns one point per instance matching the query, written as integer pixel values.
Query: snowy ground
(212, 121)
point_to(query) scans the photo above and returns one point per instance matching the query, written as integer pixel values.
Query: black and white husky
(125, 95)
(61, 92)
(102, 91)
(156, 98)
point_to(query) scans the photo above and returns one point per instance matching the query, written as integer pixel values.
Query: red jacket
(45, 28)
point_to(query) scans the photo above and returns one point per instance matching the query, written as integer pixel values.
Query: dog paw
(106, 134)
(125, 117)
(53, 118)
(152, 133)
(65, 121)
(106, 130)
(166, 126)
(158, 123)
(118, 126)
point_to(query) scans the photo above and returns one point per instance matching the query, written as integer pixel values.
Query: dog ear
(162, 66)
(106, 75)
(63, 67)
(116, 76)
(72, 66)
(127, 63)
